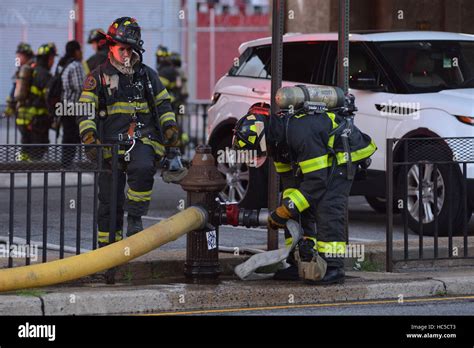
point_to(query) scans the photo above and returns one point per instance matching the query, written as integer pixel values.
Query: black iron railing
(41, 170)
(428, 181)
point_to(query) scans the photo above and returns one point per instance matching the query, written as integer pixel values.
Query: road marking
(315, 305)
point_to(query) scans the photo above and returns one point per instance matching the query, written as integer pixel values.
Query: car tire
(379, 204)
(449, 193)
(245, 185)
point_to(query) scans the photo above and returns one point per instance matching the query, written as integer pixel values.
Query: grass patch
(31, 292)
(368, 266)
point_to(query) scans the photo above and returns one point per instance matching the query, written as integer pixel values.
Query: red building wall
(226, 45)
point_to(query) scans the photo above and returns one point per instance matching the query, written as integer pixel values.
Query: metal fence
(435, 169)
(193, 124)
(47, 170)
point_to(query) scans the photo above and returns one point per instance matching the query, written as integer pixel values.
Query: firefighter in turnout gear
(168, 65)
(97, 39)
(24, 56)
(316, 176)
(133, 110)
(33, 118)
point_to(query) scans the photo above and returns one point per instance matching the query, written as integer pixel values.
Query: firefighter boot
(334, 275)
(134, 225)
(290, 273)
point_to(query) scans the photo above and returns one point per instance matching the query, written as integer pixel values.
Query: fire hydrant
(202, 184)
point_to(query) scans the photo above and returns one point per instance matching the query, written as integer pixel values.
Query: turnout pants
(70, 136)
(37, 132)
(325, 222)
(138, 172)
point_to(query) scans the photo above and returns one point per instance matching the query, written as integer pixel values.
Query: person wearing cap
(24, 57)
(30, 93)
(133, 110)
(97, 40)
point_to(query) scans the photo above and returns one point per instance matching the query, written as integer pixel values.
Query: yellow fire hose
(104, 258)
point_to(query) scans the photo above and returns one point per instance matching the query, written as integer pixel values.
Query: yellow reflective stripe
(85, 125)
(287, 192)
(89, 97)
(332, 247)
(357, 155)
(314, 164)
(165, 81)
(162, 96)
(253, 128)
(296, 197)
(332, 116)
(107, 152)
(23, 121)
(127, 108)
(139, 196)
(157, 147)
(252, 139)
(35, 90)
(103, 237)
(167, 116)
(300, 115)
(282, 167)
(241, 143)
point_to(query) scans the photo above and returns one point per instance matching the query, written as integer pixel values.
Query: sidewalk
(155, 283)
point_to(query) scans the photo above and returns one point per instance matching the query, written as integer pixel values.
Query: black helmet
(24, 48)
(127, 31)
(96, 35)
(162, 51)
(47, 49)
(175, 58)
(247, 135)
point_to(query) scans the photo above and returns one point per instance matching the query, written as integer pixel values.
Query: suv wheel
(244, 185)
(449, 193)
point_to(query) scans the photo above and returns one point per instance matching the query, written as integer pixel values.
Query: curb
(120, 299)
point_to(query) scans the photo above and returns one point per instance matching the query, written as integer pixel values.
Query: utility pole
(277, 71)
(343, 65)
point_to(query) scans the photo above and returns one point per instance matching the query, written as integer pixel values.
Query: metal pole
(389, 188)
(343, 69)
(192, 48)
(343, 46)
(277, 68)
(212, 50)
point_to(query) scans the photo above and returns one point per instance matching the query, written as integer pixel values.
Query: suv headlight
(466, 119)
(214, 98)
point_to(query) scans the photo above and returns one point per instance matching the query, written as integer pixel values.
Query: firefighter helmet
(96, 35)
(249, 131)
(127, 31)
(47, 49)
(24, 48)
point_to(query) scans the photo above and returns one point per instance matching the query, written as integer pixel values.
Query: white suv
(406, 84)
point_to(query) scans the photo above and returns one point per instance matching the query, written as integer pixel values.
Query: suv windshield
(431, 66)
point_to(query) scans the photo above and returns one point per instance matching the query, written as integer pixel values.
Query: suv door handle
(259, 91)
